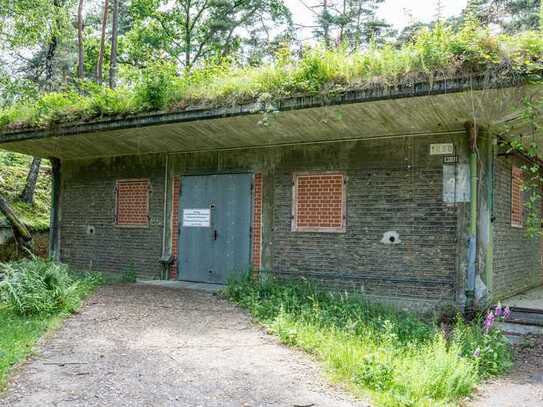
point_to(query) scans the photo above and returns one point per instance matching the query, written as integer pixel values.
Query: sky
(399, 13)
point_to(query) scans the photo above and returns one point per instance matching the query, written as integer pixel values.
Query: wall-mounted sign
(450, 159)
(196, 218)
(442, 149)
(456, 187)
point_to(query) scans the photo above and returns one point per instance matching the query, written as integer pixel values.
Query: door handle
(215, 234)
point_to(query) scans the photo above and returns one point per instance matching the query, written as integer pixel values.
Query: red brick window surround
(516, 197)
(257, 223)
(132, 206)
(175, 225)
(319, 202)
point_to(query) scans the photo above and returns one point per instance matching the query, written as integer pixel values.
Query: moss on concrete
(12, 181)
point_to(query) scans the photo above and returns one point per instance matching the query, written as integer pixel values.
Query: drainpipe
(54, 222)
(489, 263)
(165, 248)
(472, 231)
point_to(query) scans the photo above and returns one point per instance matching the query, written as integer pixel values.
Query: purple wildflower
(499, 310)
(489, 321)
(506, 313)
(477, 352)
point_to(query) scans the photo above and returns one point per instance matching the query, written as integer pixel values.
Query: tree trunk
(31, 179)
(100, 63)
(23, 238)
(51, 50)
(81, 66)
(326, 24)
(113, 58)
(188, 42)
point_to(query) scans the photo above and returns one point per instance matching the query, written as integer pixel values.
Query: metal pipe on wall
(472, 230)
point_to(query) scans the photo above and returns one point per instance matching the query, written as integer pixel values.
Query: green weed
(395, 357)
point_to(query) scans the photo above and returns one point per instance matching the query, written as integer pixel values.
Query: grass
(442, 52)
(12, 180)
(393, 357)
(22, 325)
(18, 335)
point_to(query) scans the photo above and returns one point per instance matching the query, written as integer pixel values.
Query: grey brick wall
(88, 200)
(516, 257)
(393, 185)
(402, 197)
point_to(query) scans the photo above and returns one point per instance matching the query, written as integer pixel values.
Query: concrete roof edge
(371, 94)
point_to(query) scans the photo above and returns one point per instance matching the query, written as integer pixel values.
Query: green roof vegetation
(441, 52)
(12, 181)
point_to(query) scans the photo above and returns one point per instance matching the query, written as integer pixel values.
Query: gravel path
(136, 345)
(523, 386)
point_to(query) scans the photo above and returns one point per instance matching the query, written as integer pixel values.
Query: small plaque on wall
(442, 149)
(450, 159)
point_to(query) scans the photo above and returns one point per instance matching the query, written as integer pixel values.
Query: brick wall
(392, 185)
(516, 257)
(378, 200)
(517, 206)
(318, 202)
(132, 202)
(90, 238)
(175, 225)
(256, 239)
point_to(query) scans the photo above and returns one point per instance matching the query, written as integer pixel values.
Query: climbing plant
(528, 146)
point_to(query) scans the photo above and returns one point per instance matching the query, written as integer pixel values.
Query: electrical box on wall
(456, 183)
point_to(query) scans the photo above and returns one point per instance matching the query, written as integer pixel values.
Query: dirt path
(138, 345)
(523, 386)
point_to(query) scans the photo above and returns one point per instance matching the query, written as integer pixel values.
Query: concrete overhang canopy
(424, 108)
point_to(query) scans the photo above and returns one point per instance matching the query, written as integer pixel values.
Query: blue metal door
(215, 227)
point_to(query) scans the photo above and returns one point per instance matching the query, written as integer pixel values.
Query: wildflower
(477, 352)
(506, 313)
(498, 311)
(489, 321)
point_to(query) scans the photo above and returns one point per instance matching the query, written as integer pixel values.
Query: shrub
(155, 87)
(33, 287)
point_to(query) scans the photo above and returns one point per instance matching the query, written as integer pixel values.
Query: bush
(394, 356)
(34, 287)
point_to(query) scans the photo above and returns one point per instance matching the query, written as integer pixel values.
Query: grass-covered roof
(434, 54)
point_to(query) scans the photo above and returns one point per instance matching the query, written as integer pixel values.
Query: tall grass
(35, 295)
(396, 358)
(34, 287)
(440, 52)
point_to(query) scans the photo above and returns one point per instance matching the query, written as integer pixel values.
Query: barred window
(319, 202)
(132, 207)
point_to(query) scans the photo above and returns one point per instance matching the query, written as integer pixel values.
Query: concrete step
(516, 328)
(526, 316)
(523, 321)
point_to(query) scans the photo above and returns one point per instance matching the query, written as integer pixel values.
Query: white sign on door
(196, 218)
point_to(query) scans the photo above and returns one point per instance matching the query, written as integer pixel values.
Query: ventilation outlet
(391, 237)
